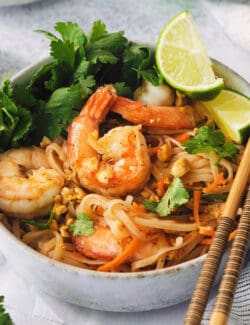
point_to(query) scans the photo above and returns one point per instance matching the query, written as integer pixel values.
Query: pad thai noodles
(123, 192)
(99, 179)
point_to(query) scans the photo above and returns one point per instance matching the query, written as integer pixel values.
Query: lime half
(231, 112)
(182, 59)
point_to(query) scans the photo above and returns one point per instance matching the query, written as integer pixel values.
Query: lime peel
(231, 112)
(182, 59)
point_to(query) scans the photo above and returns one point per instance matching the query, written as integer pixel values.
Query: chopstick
(224, 299)
(210, 267)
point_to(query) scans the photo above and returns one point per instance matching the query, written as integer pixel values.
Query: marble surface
(225, 29)
(223, 25)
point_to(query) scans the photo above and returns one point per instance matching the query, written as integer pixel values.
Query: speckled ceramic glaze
(109, 291)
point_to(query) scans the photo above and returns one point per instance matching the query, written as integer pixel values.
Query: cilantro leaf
(123, 90)
(47, 79)
(64, 52)
(228, 151)
(4, 317)
(41, 225)
(97, 31)
(103, 56)
(175, 196)
(138, 64)
(82, 226)
(49, 127)
(61, 108)
(214, 197)
(6, 86)
(71, 32)
(49, 35)
(107, 49)
(151, 75)
(207, 139)
(150, 205)
(87, 84)
(112, 42)
(15, 122)
(22, 95)
(22, 127)
(79, 63)
(64, 102)
(82, 70)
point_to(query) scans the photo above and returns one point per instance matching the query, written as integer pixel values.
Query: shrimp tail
(172, 117)
(98, 105)
(92, 114)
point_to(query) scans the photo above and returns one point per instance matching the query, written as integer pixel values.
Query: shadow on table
(64, 313)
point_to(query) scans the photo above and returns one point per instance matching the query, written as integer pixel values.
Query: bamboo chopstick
(231, 274)
(210, 267)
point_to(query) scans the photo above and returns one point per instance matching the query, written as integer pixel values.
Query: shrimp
(170, 117)
(117, 163)
(103, 245)
(28, 184)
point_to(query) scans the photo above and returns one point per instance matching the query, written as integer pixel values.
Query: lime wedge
(182, 59)
(231, 113)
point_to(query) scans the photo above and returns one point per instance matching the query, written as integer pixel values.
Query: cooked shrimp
(28, 184)
(171, 117)
(103, 245)
(117, 163)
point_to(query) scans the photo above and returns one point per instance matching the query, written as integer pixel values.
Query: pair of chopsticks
(210, 267)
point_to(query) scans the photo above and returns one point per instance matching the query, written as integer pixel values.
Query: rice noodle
(163, 241)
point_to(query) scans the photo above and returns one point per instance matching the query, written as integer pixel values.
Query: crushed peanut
(53, 225)
(64, 232)
(59, 209)
(45, 142)
(180, 167)
(164, 152)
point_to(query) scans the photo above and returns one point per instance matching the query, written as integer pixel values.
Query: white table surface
(225, 29)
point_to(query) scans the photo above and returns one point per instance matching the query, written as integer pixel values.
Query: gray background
(225, 29)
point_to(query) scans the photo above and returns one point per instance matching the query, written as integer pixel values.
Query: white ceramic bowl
(109, 291)
(6, 3)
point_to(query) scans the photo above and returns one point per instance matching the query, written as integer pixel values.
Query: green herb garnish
(79, 63)
(175, 196)
(209, 140)
(41, 225)
(214, 197)
(4, 317)
(82, 226)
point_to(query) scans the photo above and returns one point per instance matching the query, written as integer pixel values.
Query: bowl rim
(114, 275)
(93, 273)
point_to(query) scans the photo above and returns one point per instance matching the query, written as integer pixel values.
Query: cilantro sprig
(41, 225)
(4, 317)
(79, 63)
(208, 139)
(82, 226)
(175, 196)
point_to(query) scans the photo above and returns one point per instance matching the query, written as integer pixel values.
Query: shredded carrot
(232, 234)
(99, 209)
(207, 232)
(208, 241)
(220, 180)
(117, 261)
(138, 207)
(161, 186)
(182, 137)
(153, 150)
(197, 198)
